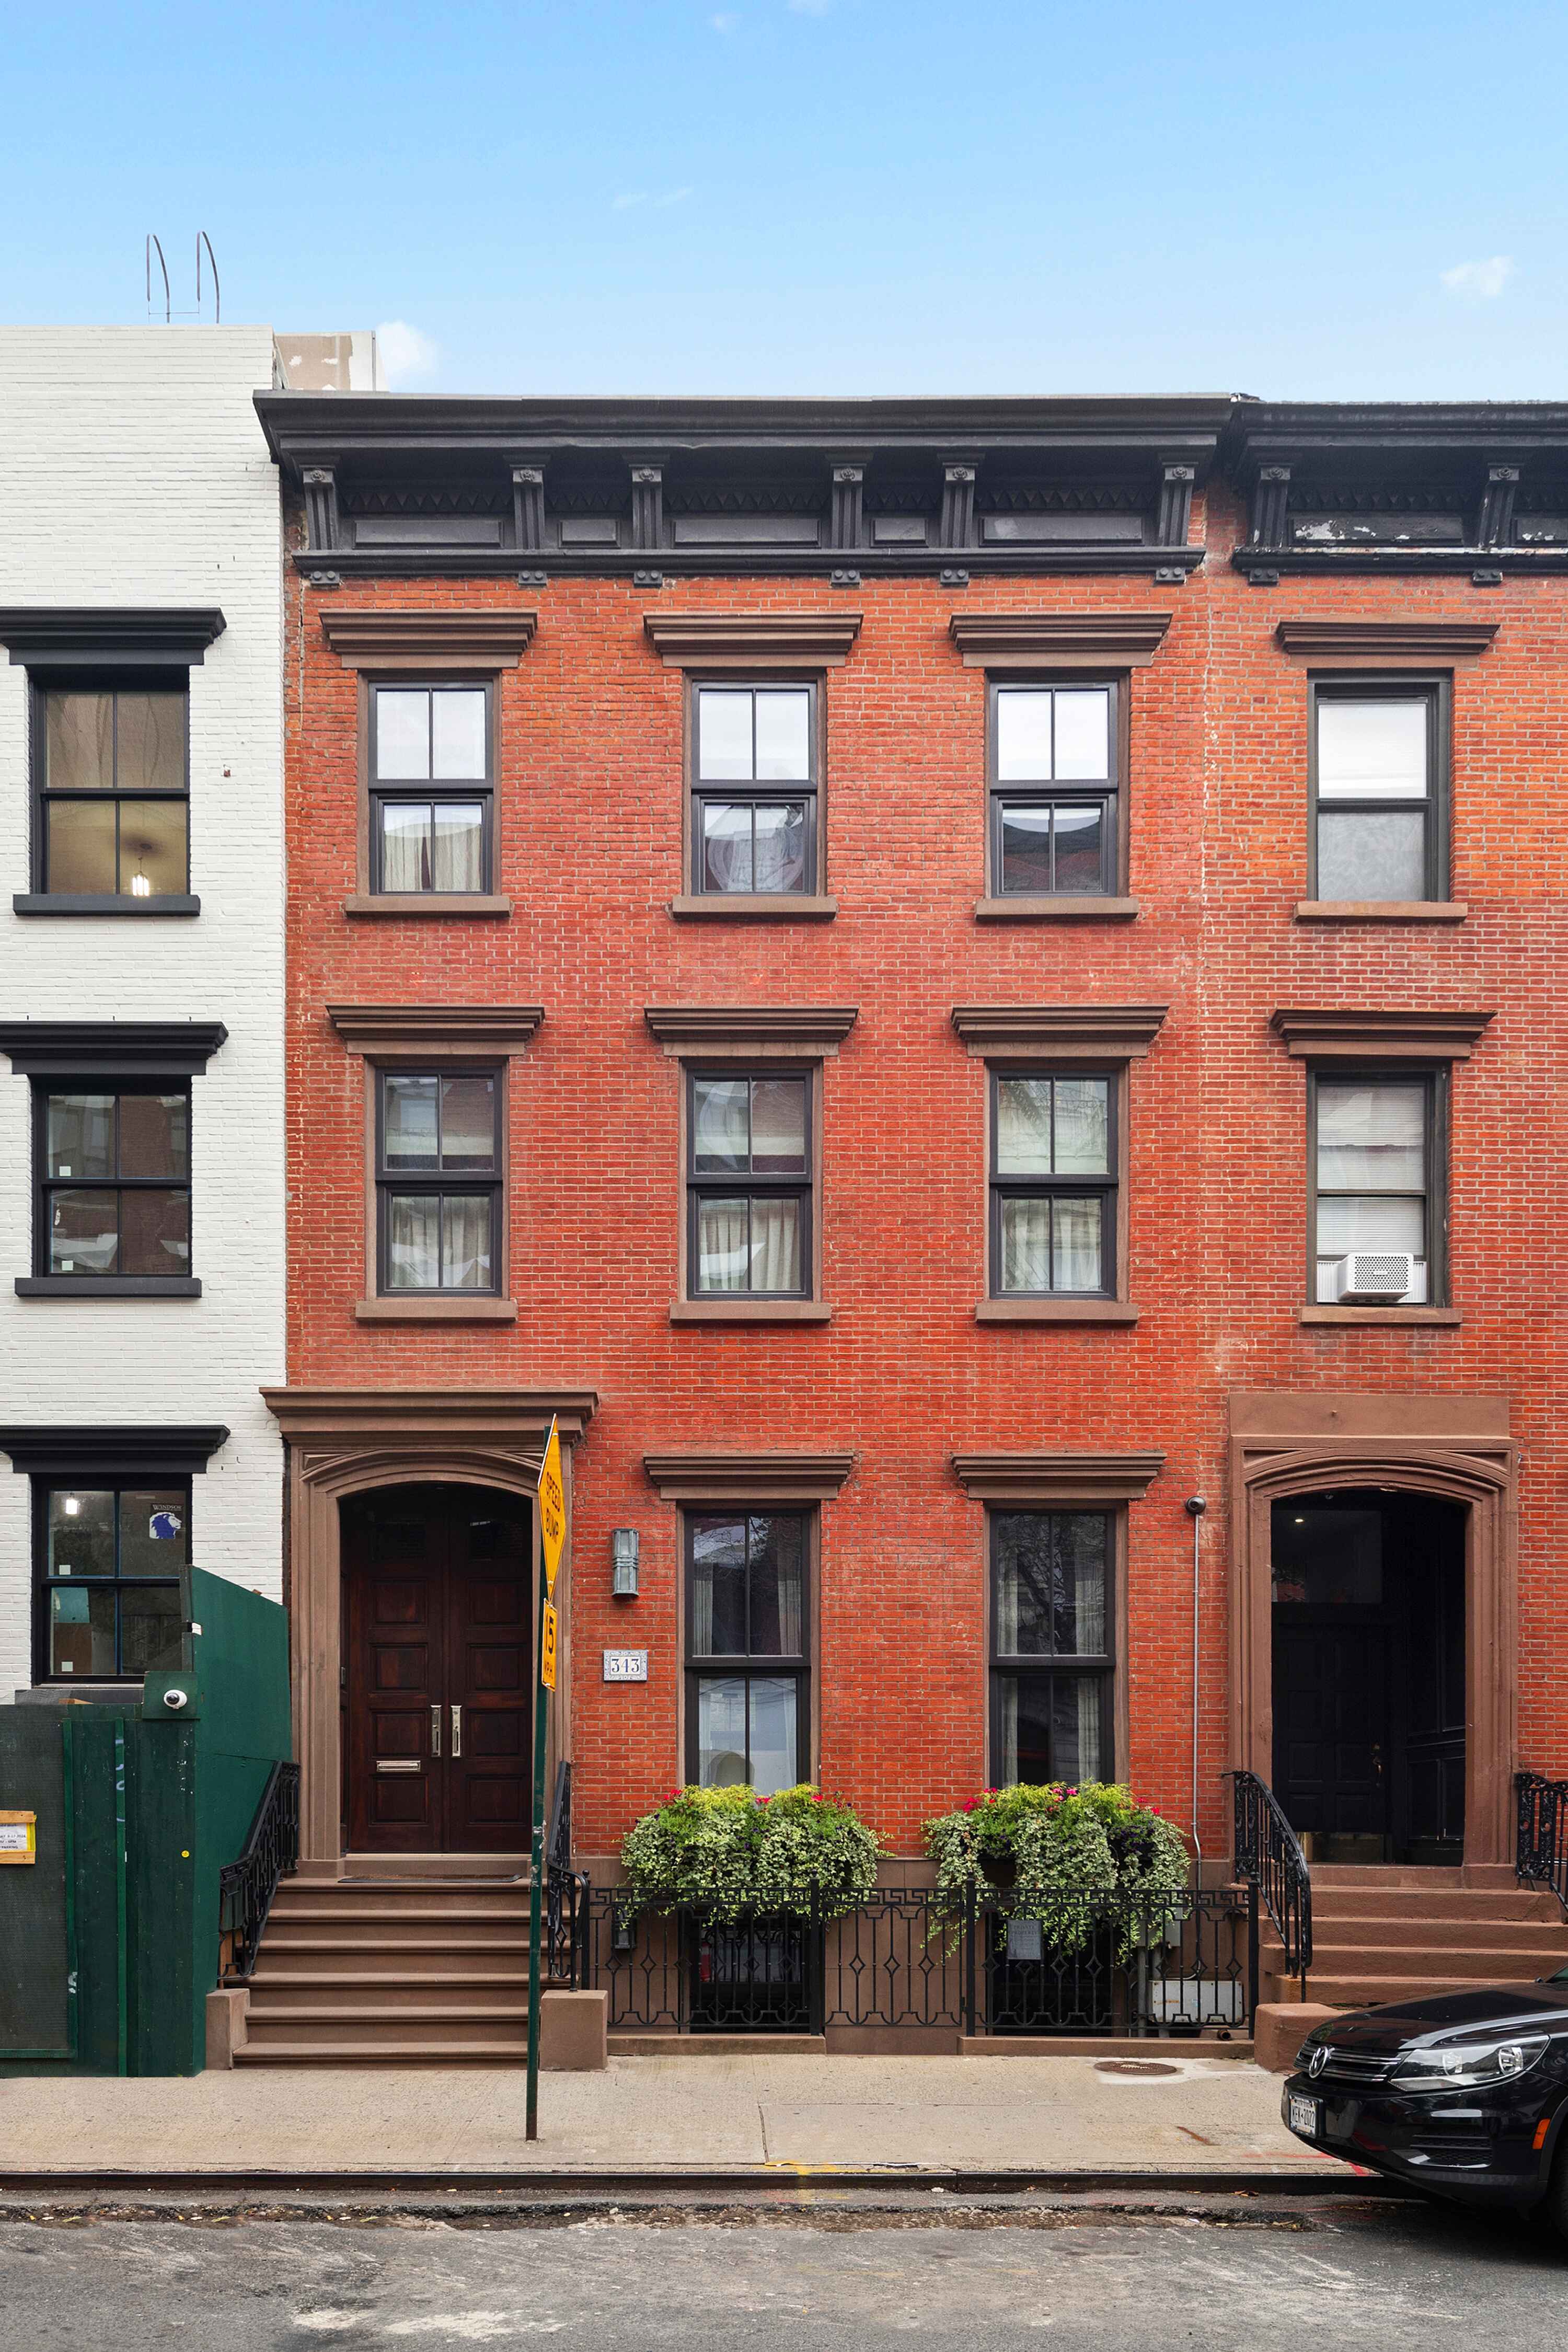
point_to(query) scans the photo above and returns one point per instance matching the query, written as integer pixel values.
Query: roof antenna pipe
(203, 238)
(155, 247)
(1194, 1507)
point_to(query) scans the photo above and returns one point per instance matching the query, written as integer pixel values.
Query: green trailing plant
(727, 1850)
(1059, 1854)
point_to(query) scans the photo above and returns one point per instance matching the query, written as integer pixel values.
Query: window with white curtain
(1372, 1177)
(1379, 773)
(753, 789)
(431, 788)
(748, 1183)
(1051, 1656)
(438, 1182)
(1052, 1184)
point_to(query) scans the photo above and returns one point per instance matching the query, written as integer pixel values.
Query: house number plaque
(626, 1665)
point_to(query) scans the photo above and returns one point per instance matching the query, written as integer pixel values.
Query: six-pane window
(748, 1183)
(438, 1181)
(431, 788)
(114, 1180)
(1053, 791)
(1374, 1175)
(114, 797)
(754, 788)
(746, 1649)
(1376, 772)
(109, 1578)
(1051, 1646)
(1052, 1187)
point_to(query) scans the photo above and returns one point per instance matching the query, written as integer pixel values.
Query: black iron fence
(245, 1887)
(1105, 1965)
(1541, 1853)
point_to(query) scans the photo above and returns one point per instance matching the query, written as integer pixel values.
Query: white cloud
(624, 204)
(676, 196)
(1482, 281)
(725, 21)
(404, 352)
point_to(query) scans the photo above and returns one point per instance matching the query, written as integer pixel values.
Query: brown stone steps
(423, 1895)
(275, 1996)
(293, 1956)
(1501, 1961)
(1358, 1990)
(474, 2052)
(396, 1915)
(1478, 1935)
(414, 2028)
(373, 1935)
(1461, 1902)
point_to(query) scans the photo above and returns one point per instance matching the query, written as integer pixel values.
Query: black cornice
(736, 562)
(310, 428)
(111, 1048)
(82, 1450)
(142, 635)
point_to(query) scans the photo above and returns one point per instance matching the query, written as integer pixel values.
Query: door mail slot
(397, 1763)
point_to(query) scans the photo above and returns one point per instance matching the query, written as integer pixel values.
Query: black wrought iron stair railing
(1541, 1852)
(565, 1890)
(1268, 1854)
(246, 1886)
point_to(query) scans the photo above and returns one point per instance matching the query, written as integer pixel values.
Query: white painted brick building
(134, 478)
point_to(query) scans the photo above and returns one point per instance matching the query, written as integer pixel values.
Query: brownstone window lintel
(801, 1031)
(1105, 1032)
(408, 637)
(1046, 1479)
(753, 641)
(1385, 640)
(1384, 1034)
(1041, 641)
(748, 1478)
(393, 1031)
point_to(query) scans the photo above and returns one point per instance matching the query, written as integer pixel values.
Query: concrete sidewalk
(787, 2112)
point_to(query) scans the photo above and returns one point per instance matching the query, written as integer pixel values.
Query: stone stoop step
(1388, 1935)
(397, 1972)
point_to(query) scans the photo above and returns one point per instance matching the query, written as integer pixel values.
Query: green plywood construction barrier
(109, 1942)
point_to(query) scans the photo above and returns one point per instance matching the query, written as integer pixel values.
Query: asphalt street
(1390, 2276)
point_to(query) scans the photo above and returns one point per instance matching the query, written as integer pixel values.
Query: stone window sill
(753, 907)
(1443, 1318)
(750, 1310)
(436, 1310)
(1056, 1310)
(467, 906)
(108, 1286)
(107, 902)
(1381, 910)
(1065, 909)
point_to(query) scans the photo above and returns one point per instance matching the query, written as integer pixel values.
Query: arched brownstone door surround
(348, 1441)
(1294, 1443)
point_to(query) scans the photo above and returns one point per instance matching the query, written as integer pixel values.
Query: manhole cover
(1134, 2066)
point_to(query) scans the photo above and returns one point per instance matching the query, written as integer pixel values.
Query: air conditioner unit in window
(1374, 1277)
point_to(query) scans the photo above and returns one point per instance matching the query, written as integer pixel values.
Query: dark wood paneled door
(1331, 1727)
(438, 1670)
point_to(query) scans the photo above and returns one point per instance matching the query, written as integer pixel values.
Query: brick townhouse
(938, 980)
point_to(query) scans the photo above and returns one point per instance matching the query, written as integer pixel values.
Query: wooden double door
(438, 1670)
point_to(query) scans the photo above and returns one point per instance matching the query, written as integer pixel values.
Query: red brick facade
(591, 783)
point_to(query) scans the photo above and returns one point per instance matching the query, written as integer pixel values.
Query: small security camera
(175, 1699)
(1194, 1506)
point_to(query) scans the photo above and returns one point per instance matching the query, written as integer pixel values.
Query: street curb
(668, 2181)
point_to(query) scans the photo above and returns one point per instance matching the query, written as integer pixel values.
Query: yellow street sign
(552, 1508)
(547, 1649)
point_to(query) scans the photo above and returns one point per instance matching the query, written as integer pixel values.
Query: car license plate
(1304, 2115)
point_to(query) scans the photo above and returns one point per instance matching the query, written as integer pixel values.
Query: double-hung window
(112, 768)
(753, 789)
(1052, 1645)
(113, 1179)
(1054, 791)
(438, 1182)
(432, 789)
(1052, 1184)
(747, 1708)
(1376, 1158)
(109, 1578)
(748, 1183)
(1379, 790)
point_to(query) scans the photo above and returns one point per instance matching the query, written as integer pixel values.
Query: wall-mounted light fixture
(623, 1563)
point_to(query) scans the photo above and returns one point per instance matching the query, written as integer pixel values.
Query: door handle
(435, 1732)
(456, 1731)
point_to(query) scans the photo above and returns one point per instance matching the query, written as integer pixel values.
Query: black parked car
(1465, 2095)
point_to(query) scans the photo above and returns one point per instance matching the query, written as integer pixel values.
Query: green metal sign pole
(536, 1853)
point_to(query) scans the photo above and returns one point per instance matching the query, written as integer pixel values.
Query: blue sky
(818, 195)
